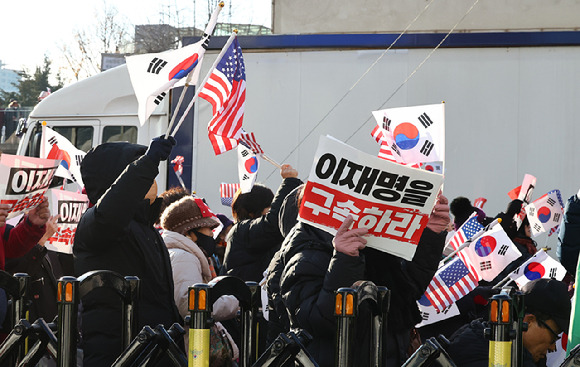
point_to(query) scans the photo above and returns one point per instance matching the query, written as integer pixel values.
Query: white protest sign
(391, 200)
(24, 180)
(70, 206)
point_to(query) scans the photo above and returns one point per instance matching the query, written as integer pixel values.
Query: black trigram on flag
(425, 316)
(52, 140)
(485, 265)
(537, 227)
(503, 249)
(551, 201)
(556, 217)
(205, 43)
(78, 159)
(244, 153)
(425, 120)
(159, 98)
(395, 149)
(156, 65)
(245, 177)
(386, 123)
(552, 273)
(427, 148)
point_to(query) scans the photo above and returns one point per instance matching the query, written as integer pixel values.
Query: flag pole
(507, 278)
(217, 60)
(206, 36)
(270, 160)
(181, 181)
(469, 241)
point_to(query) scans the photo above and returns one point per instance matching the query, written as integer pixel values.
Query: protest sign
(393, 201)
(24, 180)
(70, 207)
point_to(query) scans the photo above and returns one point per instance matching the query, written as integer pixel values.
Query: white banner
(70, 207)
(24, 181)
(393, 201)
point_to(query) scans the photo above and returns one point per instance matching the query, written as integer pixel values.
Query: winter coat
(253, 242)
(17, 241)
(569, 237)
(44, 267)
(469, 347)
(191, 266)
(314, 271)
(117, 234)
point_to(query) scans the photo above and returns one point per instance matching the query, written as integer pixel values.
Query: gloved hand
(349, 241)
(439, 218)
(160, 148)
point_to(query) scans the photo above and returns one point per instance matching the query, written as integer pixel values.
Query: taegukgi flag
(393, 201)
(491, 252)
(541, 265)
(24, 181)
(248, 164)
(430, 315)
(545, 213)
(415, 134)
(56, 146)
(70, 206)
(154, 74)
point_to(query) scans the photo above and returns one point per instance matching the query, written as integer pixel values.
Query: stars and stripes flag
(467, 230)
(227, 192)
(450, 283)
(250, 140)
(226, 91)
(414, 134)
(479, 202)
(541, 265)
(178, 165)
(546, 213)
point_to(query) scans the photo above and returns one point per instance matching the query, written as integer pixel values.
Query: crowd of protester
(174, 240)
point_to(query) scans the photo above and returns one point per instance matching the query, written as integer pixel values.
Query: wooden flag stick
(270, 160)
(206, 35)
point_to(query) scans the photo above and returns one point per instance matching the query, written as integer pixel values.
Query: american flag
(250, 140)
(227, 192)
(226, 91)
(450, 283)
(479, 202)
(178, 165)
(467, 230)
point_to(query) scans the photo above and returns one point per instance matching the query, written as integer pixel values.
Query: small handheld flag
(248, 164)
(227, 192)
(178, 169)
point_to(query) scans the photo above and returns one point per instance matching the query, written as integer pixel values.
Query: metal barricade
(288, 350)
(201, 300)
(15, 286)
(500, 333)
(347, 302)
(431, 353)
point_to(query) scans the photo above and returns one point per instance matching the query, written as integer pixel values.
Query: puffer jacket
(314, 271)
(253, 242)
(569, 237)
(191, 266)
(117, 234)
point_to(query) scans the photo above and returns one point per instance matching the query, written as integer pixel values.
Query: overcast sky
(32, 28)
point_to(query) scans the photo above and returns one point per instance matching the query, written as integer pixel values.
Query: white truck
(509, 108)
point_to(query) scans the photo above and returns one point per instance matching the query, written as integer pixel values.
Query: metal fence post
(68, 298)
(345, 311)
(199, 333)
(500, 333)
(129, 303)
(249, 349)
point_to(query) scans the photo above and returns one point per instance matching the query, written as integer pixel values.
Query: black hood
(288, 216)
(104, 163)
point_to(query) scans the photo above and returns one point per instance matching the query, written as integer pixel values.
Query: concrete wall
(369, 16)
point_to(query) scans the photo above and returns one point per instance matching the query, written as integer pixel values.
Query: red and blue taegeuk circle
(534, 271)
(251, 165)
(406, 136)
(485, 246)
(544, 214)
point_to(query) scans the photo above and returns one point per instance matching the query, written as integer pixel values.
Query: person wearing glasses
(547, 307)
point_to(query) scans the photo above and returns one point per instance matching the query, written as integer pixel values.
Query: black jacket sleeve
(569, 237)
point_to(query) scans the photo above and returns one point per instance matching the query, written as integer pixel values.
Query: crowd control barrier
(201, 300)
(347, 302)
(519, 326)
(431, 353)
(288, 350)
(500, 333)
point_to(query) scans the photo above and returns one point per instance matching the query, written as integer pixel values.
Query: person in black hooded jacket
(117, 234)
(316, 265)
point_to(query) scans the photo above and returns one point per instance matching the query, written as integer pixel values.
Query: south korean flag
(415, 134)
(248, 164)
(545, 213)
(429, 315)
